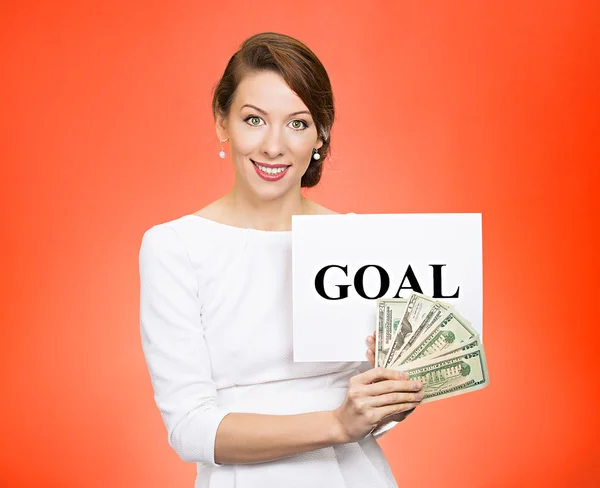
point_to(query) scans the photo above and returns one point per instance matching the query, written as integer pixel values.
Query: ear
(320, 139)
(221, 127)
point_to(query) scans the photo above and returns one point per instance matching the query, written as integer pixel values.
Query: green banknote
(433, 343)
(417, 308)
(450, 329)
(389, 316)
(450, 374)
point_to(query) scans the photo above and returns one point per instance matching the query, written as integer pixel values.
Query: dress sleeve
(383, 428)
(174, 346)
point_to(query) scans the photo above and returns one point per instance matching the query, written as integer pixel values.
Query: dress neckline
(244, 229)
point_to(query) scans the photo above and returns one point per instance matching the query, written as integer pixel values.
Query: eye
(253, 119)
(299, 124)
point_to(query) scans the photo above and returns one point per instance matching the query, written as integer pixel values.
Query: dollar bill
(396, 309)
(439, 308)
(451, 374)
(449, 330)
(417, 308)
(389, 316)
(463, 346)
(380, 331)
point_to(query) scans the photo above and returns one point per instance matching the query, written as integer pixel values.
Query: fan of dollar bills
(432, 342)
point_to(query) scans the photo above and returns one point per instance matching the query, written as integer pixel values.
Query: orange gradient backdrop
(465, 106)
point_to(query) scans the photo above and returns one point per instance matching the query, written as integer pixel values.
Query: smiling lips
(270, 172)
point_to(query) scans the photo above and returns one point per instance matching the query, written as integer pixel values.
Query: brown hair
(301, 70)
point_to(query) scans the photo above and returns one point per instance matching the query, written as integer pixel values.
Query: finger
(371, 357)
(393, 386)
(394, 399)
(392, 409)
(374, 374)
(371, 345)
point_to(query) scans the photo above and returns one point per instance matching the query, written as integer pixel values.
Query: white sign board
(342, 263)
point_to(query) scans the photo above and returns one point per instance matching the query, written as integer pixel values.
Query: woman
(216, 310)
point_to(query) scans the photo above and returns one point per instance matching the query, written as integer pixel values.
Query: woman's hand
(375, 395)
(399, 417)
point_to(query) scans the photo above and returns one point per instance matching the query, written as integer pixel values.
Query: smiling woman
(270, 73)
(216, 311)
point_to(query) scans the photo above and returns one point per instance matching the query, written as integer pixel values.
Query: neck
(274, 215)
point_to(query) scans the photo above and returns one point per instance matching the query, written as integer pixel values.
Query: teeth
(271, 171)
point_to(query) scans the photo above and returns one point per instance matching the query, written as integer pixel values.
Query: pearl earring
(316, 154)
(222, 152)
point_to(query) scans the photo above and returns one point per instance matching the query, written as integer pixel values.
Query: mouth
(270, 172)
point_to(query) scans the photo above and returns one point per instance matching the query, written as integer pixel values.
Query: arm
(372, 396)
(254, 438)
(179, 365)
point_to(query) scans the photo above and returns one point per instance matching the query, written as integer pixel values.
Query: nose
(273, 144)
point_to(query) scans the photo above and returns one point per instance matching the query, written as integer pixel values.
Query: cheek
(247, 141)
(306, 157)
(302, 148)
(247, 144)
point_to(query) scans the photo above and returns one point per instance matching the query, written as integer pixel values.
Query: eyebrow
(265, 113)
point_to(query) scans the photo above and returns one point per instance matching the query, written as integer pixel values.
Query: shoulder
(173, 249)
(186, 227)
(172, 238)
(162, 241)
(196, 238)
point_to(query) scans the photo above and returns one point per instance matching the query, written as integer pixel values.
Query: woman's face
(271, 136)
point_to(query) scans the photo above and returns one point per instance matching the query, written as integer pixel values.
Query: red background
(463, 106)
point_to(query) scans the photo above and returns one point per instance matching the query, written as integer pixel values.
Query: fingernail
(370, 340)
(419, 396)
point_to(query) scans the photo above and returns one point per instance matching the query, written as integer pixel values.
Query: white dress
(216, 330)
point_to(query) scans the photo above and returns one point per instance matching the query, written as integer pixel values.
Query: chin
(273, 188)
(270, 192)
